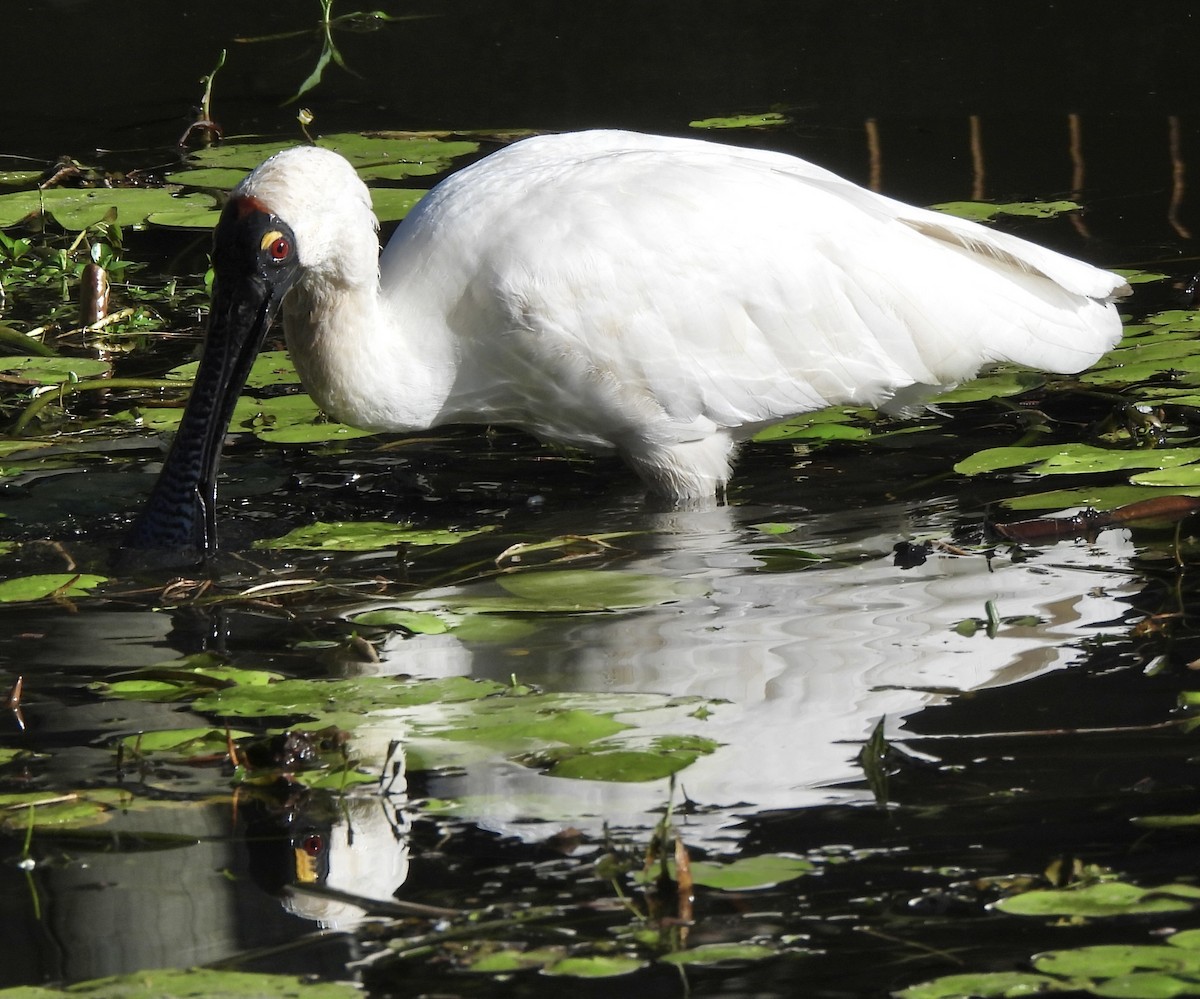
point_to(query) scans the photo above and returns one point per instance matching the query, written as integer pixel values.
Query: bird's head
(297, 217)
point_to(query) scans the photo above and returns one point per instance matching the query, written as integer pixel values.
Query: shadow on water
(1013, 745)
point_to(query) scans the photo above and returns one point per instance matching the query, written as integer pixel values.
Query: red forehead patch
(247, 204)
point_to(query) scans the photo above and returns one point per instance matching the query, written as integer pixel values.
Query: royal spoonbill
(658, 298)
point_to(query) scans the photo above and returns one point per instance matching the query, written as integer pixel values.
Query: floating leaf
(62, 584)
(1075, 459)
(982, 211)
(207, 982)
(296, 419)
(996, 384)
(393, 617)
(987, 985)
(749, 873)
(271, 367)
(320, 698)
(769, 119)
(54, 370)
(595, 966)
(48, 811)
(509, 959)
(1111, 960)
(720, 953)
(363, 536)
(835, 423)
(80, 208)
(596, 589)
(1095, 497)
(183, 742)
(1109, 898)
(603, 762)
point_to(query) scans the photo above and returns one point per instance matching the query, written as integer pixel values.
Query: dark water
(1094, 101)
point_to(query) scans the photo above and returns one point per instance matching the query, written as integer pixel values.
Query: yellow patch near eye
(269, 238)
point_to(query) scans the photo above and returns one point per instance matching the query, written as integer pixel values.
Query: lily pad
(1075, 459)
(80, 208)
(986, 985)
(296, 419)
(983, 211)
(749, 873)
(54, 370)
(50, 811)
(720, 953)
(204, 982)
(615, 763)
(271, 367)
(1111, 960)
(769, 119)
(1103, 900)
(414, 621)
(594, 966)
(62, 584)
(363, 536)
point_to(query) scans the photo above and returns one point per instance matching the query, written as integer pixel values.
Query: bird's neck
(366, 361)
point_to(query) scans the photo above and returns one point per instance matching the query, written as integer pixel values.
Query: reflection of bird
(658, 298)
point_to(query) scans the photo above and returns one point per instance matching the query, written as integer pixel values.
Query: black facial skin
(255, 263)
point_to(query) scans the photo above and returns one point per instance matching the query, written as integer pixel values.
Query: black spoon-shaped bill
(255, 263)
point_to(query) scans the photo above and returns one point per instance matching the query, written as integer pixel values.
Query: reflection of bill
(328, 858)
(800, 665)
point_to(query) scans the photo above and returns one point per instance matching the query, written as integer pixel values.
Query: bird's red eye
(280, 248)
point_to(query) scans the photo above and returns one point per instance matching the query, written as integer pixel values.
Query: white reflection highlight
(809, 661)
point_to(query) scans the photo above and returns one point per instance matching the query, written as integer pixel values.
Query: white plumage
(658, 297)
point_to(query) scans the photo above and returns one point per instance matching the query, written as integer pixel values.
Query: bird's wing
(708, 288)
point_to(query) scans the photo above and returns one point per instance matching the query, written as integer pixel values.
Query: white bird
(660, 298)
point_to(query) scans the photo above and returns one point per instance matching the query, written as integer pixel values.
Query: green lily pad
(510, 959)
(594, 966)
(359, 696)
(61, 584)
(825, 424)
(768, 119)
(1186, 477)
(997, 384)
(80, 208)
(183, 742)
(271, 367)
(614, 763)
(595, 589)
(363, 536)
(54, 370)
(749, 873)
(195, 982)
(296, 419)
(394, 617)
(50, 811)
(986, 985)
(391, 204)
(982, 211)
(368, 153)
(1075, 459)
(216, 178)
(720, 953)
(1107, 899)
(1095, 497)
(1111, 960)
